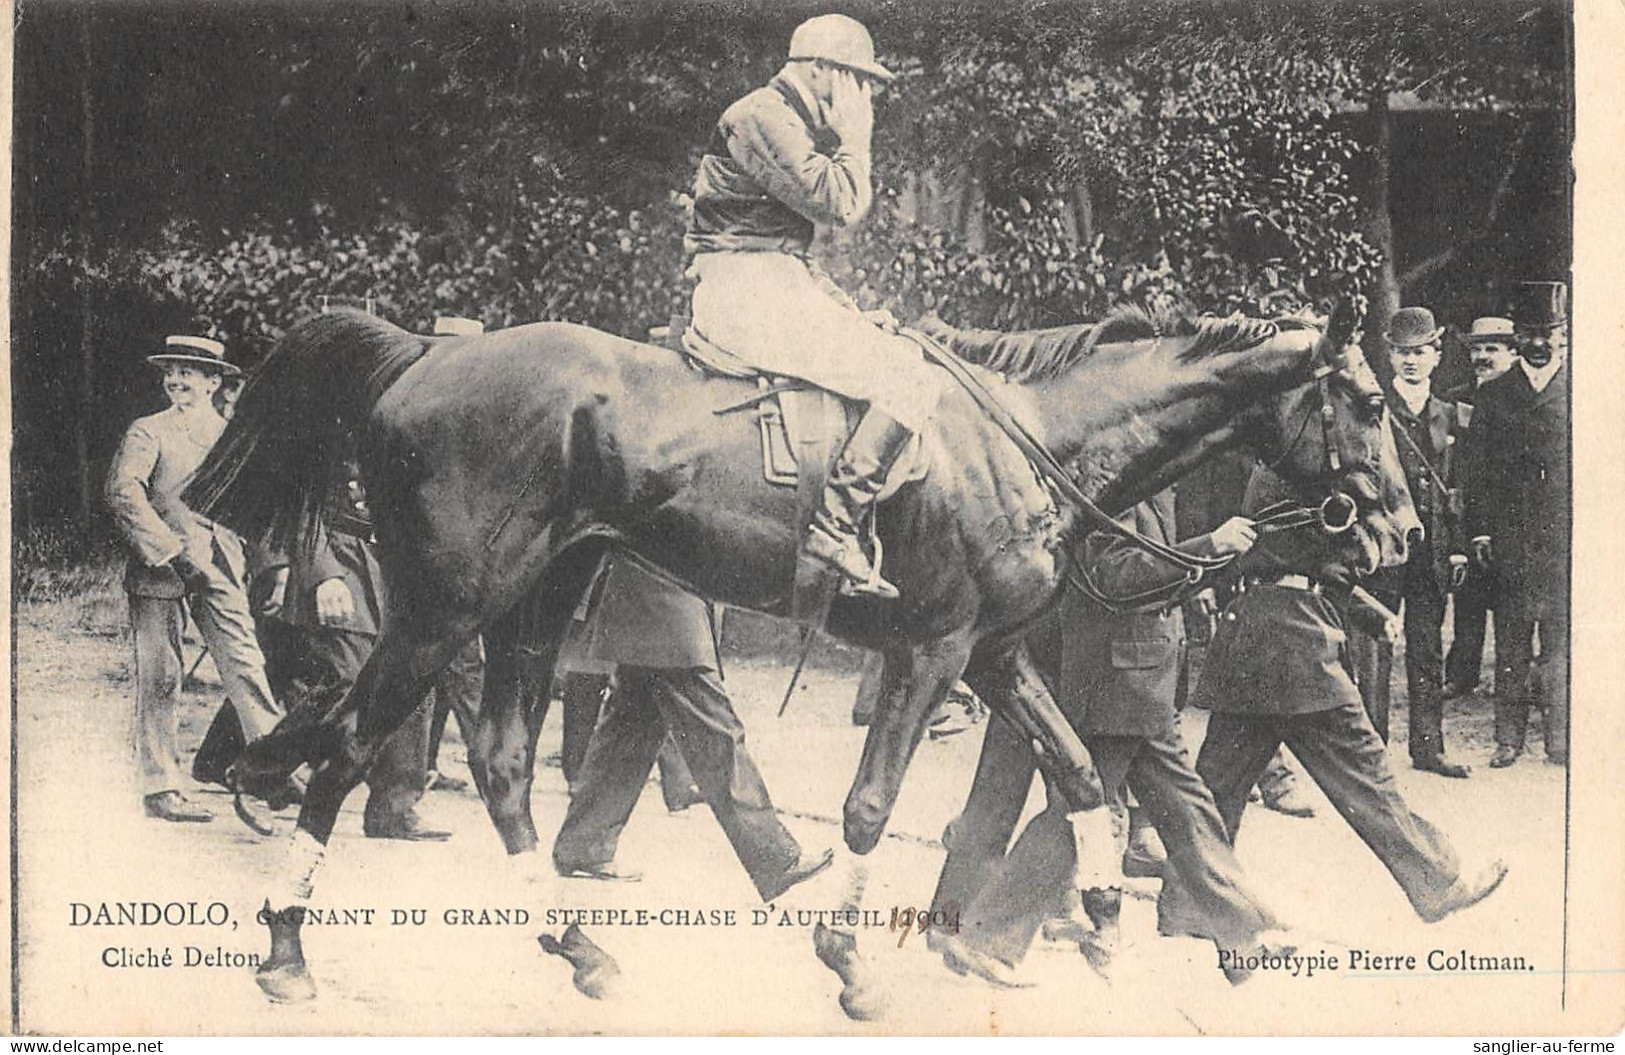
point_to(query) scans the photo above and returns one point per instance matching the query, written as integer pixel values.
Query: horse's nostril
(1415, 537)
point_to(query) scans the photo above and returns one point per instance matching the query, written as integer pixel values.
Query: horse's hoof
(246, 813)
(596, 975)
(835, 949)
(288, 983)
(961, 959)
(1100, 952)
(597, 982)
(863, 1003)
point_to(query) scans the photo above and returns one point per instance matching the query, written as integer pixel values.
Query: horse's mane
(1035, 355)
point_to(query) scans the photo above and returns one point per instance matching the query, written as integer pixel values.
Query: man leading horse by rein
(498, 464)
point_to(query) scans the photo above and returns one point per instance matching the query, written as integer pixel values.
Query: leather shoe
(604, 873)
(1504, 756)
(1270, 943)
(406, 829)
(1465, 893)
(804, 869)
(1437, 764)
(1286, 798)
(173, 806)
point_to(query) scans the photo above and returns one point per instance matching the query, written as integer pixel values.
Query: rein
(1194, 566)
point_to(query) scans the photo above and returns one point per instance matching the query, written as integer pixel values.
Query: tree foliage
(1036, 161)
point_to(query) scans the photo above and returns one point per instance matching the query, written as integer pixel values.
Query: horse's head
(1330, 438)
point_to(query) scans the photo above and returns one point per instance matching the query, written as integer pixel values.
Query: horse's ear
(1342, 324)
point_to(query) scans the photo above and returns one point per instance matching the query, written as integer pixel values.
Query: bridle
(1194, 566)
(1337, 512)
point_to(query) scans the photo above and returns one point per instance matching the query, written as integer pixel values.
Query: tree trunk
(1379, 229)
(87, 227)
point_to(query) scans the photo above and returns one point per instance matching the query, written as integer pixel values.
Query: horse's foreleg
(915, 681)
(391, 685)
(1012, 686)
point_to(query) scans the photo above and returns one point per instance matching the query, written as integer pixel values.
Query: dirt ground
(83, 841)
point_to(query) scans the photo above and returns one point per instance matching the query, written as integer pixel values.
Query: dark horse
(490, 460)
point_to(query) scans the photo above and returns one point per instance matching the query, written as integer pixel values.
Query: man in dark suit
(1116, 676)
(1278, 672)
(1490, 347)
(319, 612)
(1425, 427)
(662, 642)
(179, 560)
(1517, 463)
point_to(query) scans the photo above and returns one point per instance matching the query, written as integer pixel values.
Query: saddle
(802, 428)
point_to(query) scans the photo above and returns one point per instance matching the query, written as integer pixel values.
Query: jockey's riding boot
(854, 483)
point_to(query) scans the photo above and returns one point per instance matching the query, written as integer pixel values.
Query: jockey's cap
(841, 40)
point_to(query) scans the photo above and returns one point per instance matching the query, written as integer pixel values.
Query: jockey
(790, 155)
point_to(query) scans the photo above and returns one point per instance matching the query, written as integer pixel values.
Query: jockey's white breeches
(772, 311)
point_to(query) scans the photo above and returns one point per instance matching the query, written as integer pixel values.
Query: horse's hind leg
(521, 649)
(500, 756)
(392, 684)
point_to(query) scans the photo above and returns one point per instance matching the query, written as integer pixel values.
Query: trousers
(1472, 612)
(622, 753)
(1519, 682)
(1006, 898)
(1343, 755)
(776, 313)
(221, 614)
(315, 667)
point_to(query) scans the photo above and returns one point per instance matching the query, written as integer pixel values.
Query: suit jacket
(633, 616)
(156, 459)
(1436, 432)
(1119, 672)
(1281, 650)
(1515, 468)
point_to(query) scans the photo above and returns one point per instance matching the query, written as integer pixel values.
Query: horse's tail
(269, 474)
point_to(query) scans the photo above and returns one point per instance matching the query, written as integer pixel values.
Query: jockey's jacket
(770, 172)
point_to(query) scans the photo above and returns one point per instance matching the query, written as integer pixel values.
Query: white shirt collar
(1541, 376)
(1415, 394)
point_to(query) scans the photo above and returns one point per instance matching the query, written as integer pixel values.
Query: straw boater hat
(201, 352)
(1490, 329)
(1412, 327)
(457, 326)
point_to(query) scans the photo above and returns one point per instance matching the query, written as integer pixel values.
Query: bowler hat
(202, 352)
(1540, 305)
(1489, 329)
(1412, 327)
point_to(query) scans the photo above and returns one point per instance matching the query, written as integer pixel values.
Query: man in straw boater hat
(1516, 460)
(1491, 350)
(177, 561)
(1426, 427)
(788, 156)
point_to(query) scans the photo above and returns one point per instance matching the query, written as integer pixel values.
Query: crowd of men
(1300, 652)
